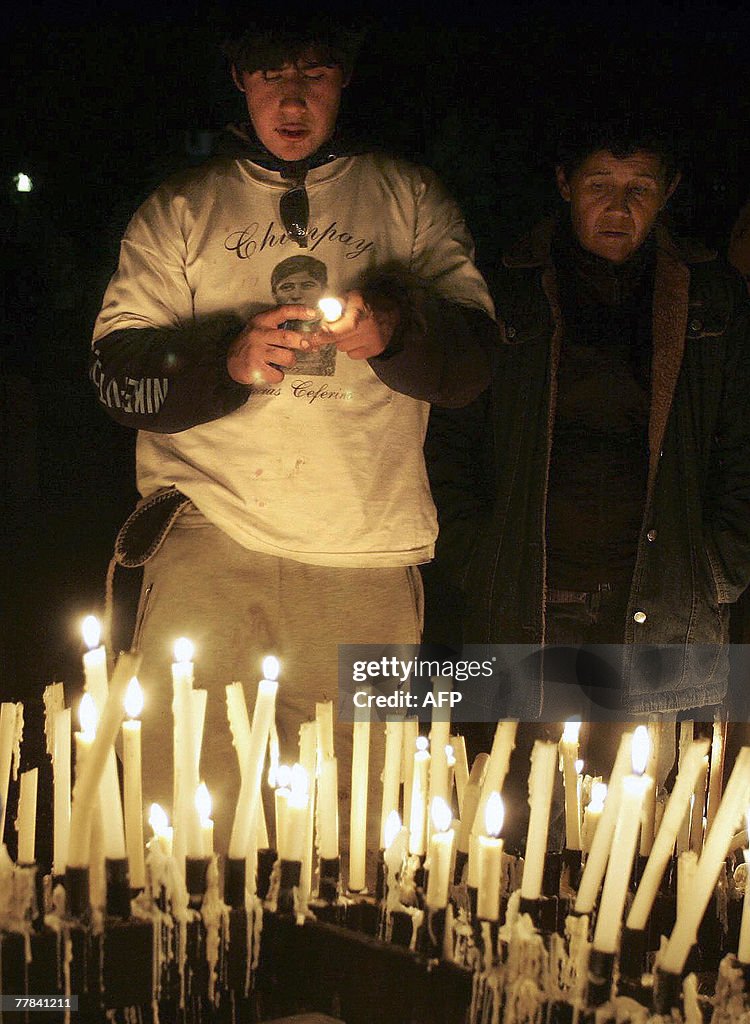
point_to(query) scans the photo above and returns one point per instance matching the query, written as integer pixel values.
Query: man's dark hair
(264, 46)
(621, 139)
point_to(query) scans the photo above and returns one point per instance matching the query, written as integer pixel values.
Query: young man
(601, 493)
(305, 506)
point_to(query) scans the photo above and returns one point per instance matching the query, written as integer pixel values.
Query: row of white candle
(620, 827)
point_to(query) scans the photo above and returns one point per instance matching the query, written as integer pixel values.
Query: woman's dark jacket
(489, 467)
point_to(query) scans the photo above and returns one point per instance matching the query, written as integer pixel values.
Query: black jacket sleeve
(441, 351)
(728, 515)
(167, 379)
(458, 454)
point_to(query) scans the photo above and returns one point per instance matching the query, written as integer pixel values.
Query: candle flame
(203, 803)
(578, 765)
(298, 798)
(331, 308)
(91, 631)
(422, 743)
(392, 828)
(442, 816)
(641, 745)
(283, 776)
(158, 820)
(571, 731)
(598, 796)
(298, 781)
(87, 716)
(184, 650)
(494, 815)
(450, 756)
(134, 698)
(271, 668)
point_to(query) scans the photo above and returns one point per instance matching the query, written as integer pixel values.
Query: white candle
(648, 824)
(396, 846)
(497, 768)
(95, 672)
(411, 732)
(686, 738)
(87, 783)
(203, 808)
(94, 662)
(489, 858)
(615, 888)
(61, 798)
(568, 758)
(163, 833)
(308, 755)
(440, 733)
(7, 743)
(133, 788)
(735, 800)
(417, 821)
(716, 774)
(394, 742)
(461, 770)
(664, 841)
(282, 792)
(441, 855)
(471, 801)
(239, 723)
(451, 762)
(596, 862)
(328, 809)
(198, 699)
(687, 864)
(26, 820)
(84, 741)
(187, 834)
(263, 713)
(743, 949)
(358, 808)
(541, 784)
(324, 724)
(697, 807)
(296, 815)
(592, 814)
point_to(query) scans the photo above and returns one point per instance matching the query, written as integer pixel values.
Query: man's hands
(360, 332)
(261, 347)
(263, 351)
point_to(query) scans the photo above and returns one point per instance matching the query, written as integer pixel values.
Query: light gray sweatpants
(238, 606)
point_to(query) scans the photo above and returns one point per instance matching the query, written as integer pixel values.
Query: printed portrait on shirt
(302, 280)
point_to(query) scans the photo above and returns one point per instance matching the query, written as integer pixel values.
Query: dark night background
(102, 104)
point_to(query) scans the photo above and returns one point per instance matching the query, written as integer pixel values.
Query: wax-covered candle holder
(196, 880)
(329, 888)
(33, 885)
(599, 978)
(290, 872)
(234, 882)
(632, 962)
(542, 911)
(266, 861)
(380, 873)
(77, 893)
(461, 862)
(551, 873)
(118, 887)
(667, 993)
(570, 869)
(431, 934)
